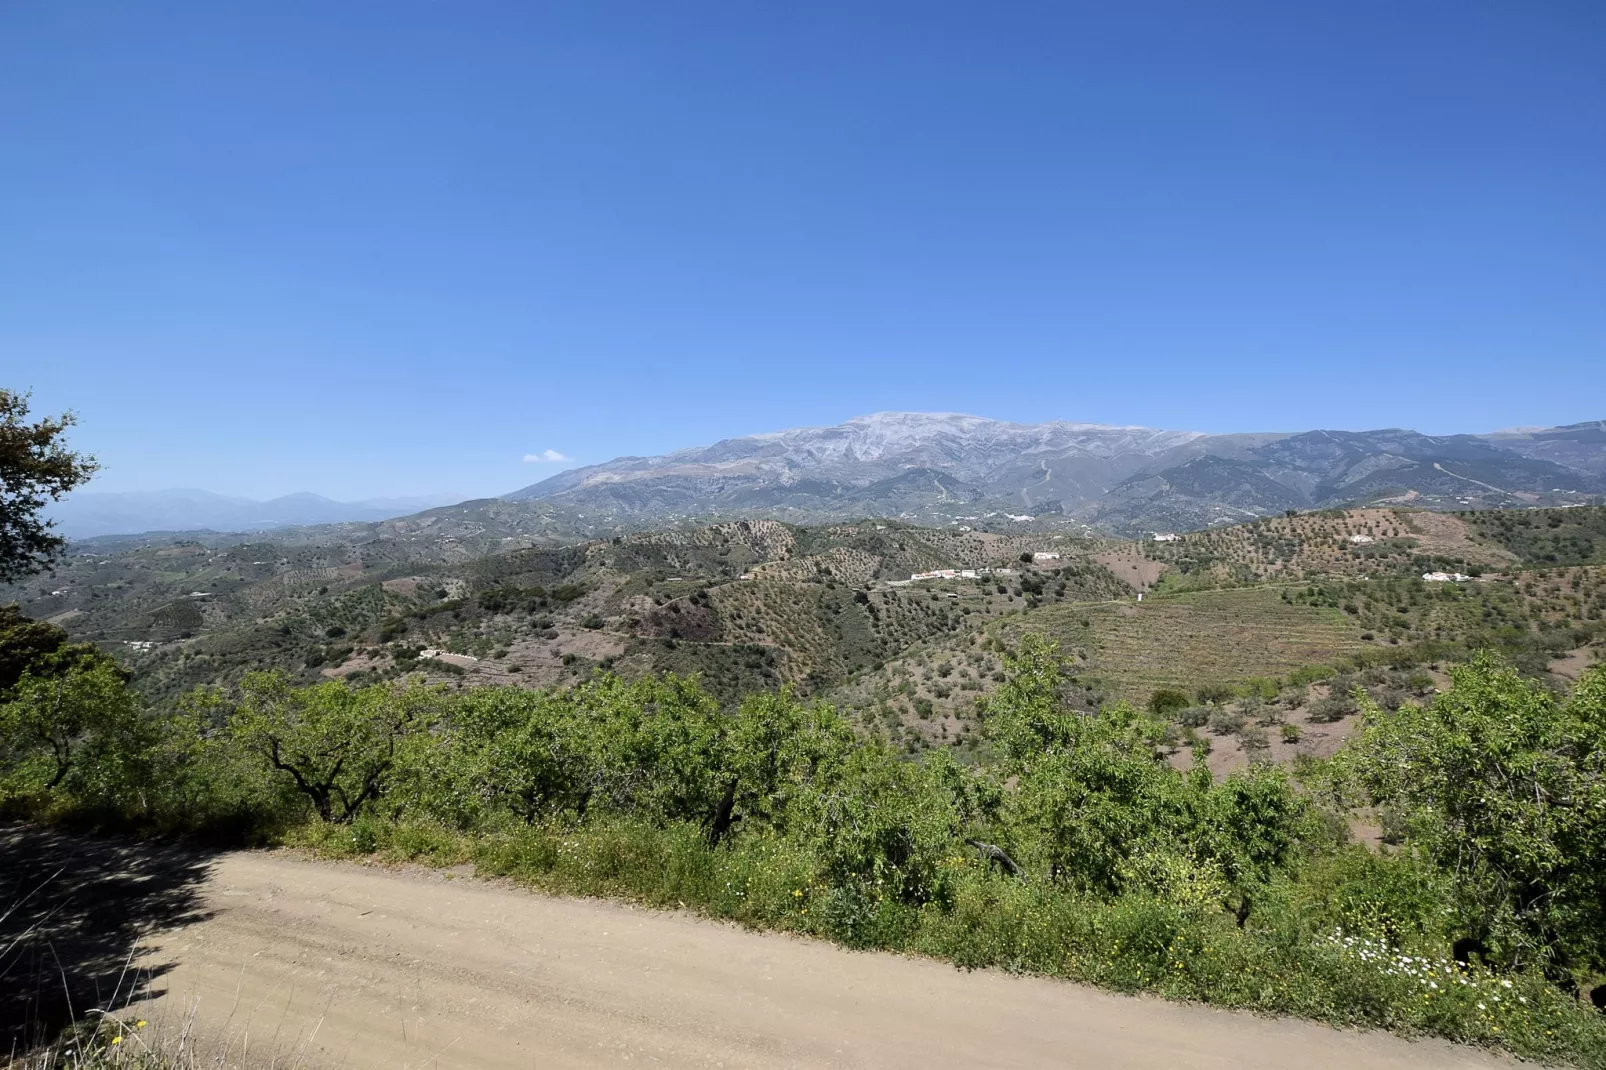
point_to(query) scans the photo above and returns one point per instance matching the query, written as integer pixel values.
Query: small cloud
(545, 457)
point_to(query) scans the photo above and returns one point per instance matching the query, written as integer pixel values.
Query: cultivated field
(1203, 637)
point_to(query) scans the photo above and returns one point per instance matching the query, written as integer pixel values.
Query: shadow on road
(72, 910)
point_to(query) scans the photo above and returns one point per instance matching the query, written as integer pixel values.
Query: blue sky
(390, 248)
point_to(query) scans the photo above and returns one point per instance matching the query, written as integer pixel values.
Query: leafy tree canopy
(35, 466)
(1504, 784)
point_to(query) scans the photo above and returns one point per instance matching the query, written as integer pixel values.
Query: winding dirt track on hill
(354, 966)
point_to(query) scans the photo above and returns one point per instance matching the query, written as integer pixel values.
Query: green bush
(1073, 848)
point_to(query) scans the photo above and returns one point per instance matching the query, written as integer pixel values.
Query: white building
(1360, 539)
(447, 656)
(1050, 556)
(1165, 536)
(1445, 577)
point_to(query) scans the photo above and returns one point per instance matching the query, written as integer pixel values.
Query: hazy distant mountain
(1581, 446)
(941, 467)
(931, 468)
(84, 514)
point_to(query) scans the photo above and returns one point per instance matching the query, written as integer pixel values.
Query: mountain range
(89, 514)
(942, 467)
(934, 468)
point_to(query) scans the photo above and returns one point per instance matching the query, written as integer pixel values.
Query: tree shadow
(72, 910)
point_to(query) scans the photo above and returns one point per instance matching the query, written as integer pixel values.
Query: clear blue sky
(384, 248)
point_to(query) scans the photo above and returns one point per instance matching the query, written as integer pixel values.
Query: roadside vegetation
(1074, 849)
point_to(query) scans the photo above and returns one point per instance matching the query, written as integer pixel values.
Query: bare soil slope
(347, 965)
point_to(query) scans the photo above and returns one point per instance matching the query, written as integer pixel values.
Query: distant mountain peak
(1120, 477)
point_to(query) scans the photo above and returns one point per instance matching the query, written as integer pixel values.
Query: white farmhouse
(1166, 536)
(1360, 540)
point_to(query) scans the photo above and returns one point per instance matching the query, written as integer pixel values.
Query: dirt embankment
(352, 966)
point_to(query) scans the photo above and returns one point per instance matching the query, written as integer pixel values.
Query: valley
(1241, 620)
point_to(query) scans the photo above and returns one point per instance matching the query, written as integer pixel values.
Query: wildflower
(141, 1024)
(117, 1040)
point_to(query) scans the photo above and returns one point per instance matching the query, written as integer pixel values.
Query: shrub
(1332, 708)
(1167, 701)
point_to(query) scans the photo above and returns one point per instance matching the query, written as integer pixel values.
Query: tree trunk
(724, 816)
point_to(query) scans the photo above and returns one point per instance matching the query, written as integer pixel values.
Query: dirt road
(354, 966)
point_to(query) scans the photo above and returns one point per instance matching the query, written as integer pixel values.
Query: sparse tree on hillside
(35, 466)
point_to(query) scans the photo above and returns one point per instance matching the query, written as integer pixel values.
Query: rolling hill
(905, 626)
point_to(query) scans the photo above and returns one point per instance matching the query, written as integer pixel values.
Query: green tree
(36, 647)
(1167, 701)
(82, 729)
(1503, 784)
(773, 750)
(502, 750)
(338, 745)
(35, 467)
(1098, 806)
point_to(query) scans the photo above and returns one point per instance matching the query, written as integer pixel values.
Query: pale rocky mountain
(934, 468)
(947, 467)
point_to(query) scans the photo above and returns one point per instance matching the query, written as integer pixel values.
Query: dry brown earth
(352, 966)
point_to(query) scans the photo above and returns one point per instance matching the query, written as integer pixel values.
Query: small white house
(1360, 540)
(1049, 556)
(447, 656)
(1445, 577)
(1166, 536)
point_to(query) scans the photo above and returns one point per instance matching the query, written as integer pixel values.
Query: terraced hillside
(1184, 641)
(1543, 537)
(1352, 543)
